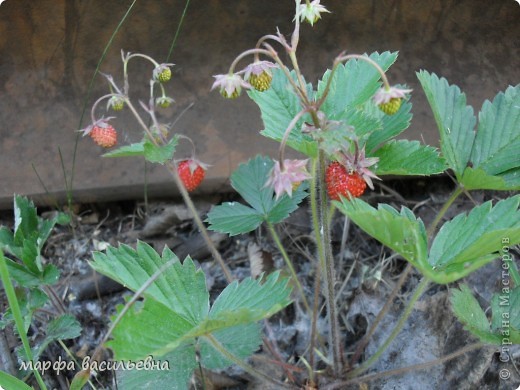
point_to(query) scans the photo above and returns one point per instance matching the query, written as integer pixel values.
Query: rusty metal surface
(49, 50)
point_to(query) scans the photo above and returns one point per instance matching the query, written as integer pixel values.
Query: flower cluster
(257, 75)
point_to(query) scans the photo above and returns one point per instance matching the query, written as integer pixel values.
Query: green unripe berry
(261, 82)
(391, 107)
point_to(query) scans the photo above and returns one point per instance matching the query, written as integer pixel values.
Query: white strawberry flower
(283, 178)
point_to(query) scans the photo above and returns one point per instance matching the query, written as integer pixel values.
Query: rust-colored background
(49, 50)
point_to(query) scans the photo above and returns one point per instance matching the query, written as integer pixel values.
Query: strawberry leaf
(479, 179)
(27, 241)
(131, 150)
(25, 219)
(61, 328)
(462, 245)
(400, 231)
(160, 153)
(174, 320)
(249, 181)
(506, 305)
(362, 123)
(180, 286)
(494, 157)
(455, 120)
(181, 363)
(468, 311)
(392, 125)
(278, 106)
(27, 278)
(353, 83)
(505, 321)
(470, 241)
(408, 158)
(234, 218)
(268, 297)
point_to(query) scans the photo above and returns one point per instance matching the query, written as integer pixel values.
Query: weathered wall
(49, 50)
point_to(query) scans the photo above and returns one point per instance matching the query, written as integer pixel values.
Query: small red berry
(342, 183)
(191, 173)
(104, 136)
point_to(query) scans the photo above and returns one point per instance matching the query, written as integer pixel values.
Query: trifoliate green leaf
(455, 120)
(474, 239)
(249, 181)
(400, 231)
(159, 154)
(174, 320)
(462, 245)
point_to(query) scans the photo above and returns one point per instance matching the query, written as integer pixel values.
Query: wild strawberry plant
(176, 322)
(345, 130)
(346, 127)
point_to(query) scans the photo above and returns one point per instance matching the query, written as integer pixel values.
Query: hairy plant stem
(419, 290)
(320, 264)
(249, 369)
(442, 211)
(196, 218)
(289, 264)
(17, 315)
(329, 269)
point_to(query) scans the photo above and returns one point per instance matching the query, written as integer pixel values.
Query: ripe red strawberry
(191, 173)
(341, 182)
(104, 136)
